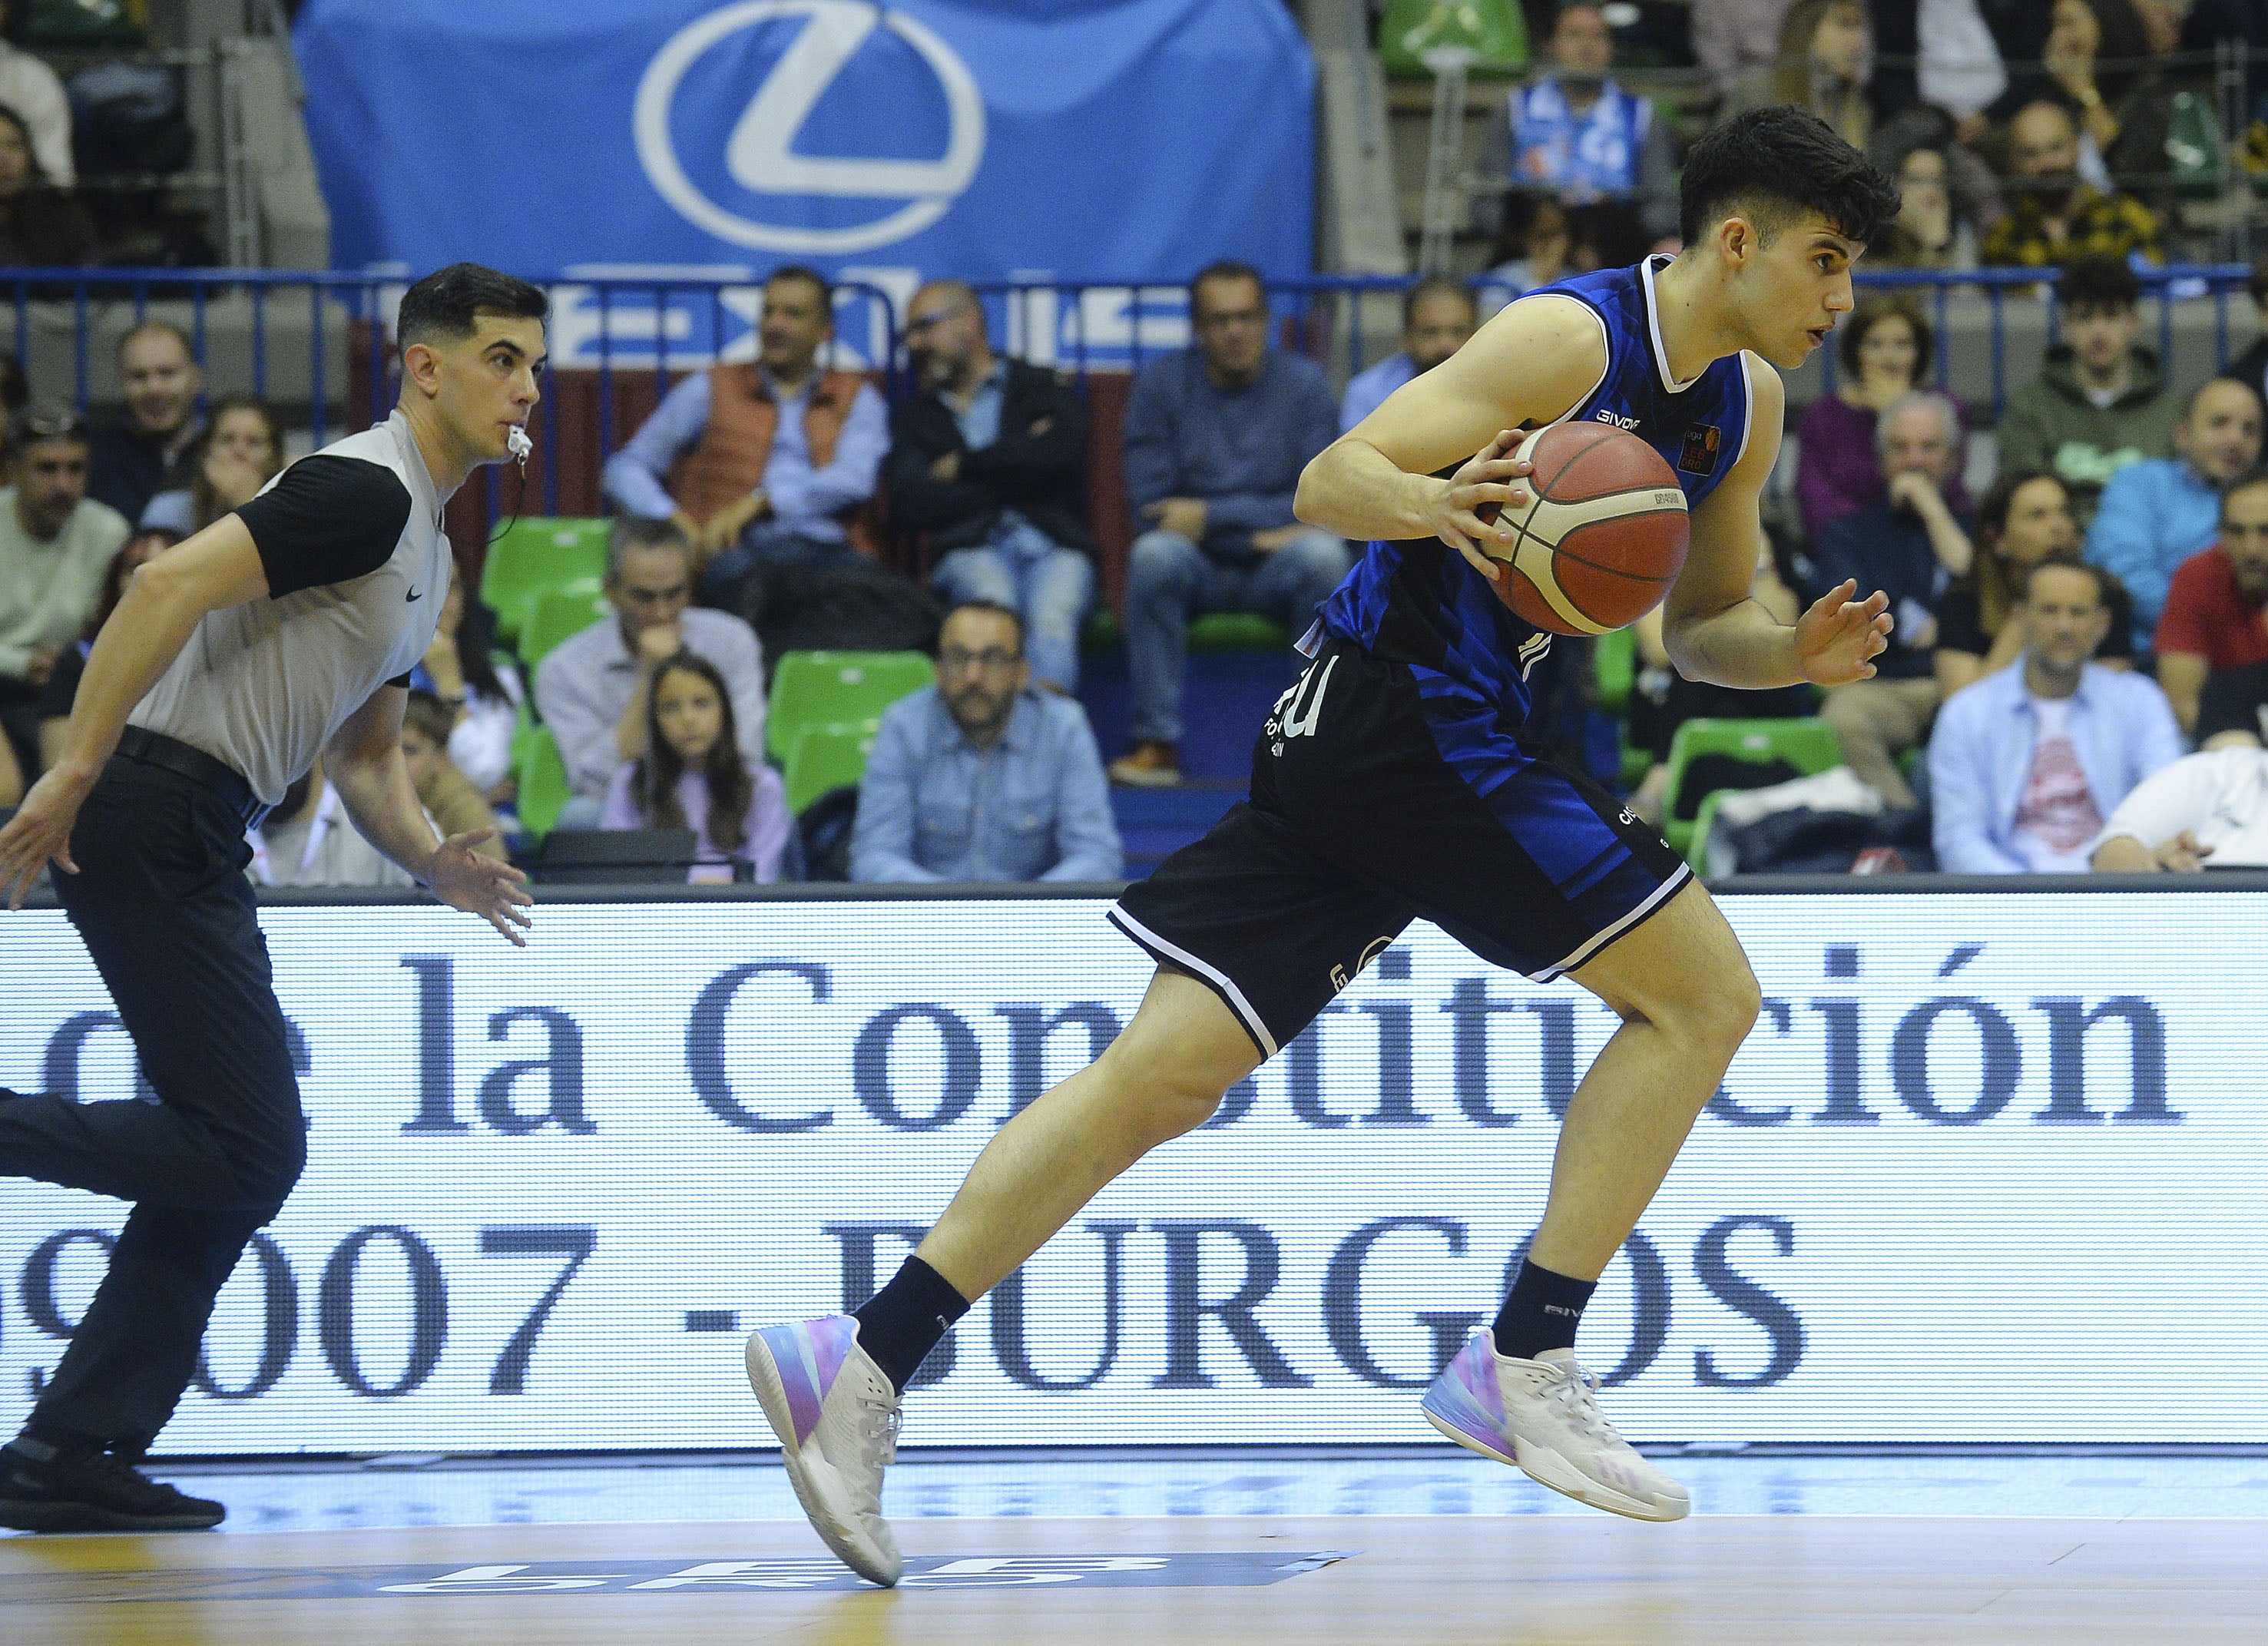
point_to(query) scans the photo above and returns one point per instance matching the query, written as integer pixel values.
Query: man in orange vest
(762, 461)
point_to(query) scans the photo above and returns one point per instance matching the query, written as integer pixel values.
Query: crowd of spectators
(2062, 641)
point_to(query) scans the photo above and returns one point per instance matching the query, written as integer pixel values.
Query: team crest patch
(1702, 443)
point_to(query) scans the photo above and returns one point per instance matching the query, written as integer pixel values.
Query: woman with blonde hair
(1824, 64)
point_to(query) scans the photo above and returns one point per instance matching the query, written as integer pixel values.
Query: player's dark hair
(1872, 312)
(2098, 283)
(1227, 268)
(1441, 285)
(1774, 164)
(809, 276)
(653, 778)
(2095, 574)
(446, 303)
(997, 610)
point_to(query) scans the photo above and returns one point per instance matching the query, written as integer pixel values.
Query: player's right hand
(1465, 511)
(39, 832)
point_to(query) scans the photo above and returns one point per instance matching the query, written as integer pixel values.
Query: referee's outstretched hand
(41, 830)
(463, 879)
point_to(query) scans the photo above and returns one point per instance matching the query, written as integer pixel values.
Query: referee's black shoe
(90, 1491)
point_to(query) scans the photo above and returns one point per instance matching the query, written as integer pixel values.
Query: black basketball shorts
(1381, 794)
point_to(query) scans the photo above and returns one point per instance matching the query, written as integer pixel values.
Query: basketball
(1603, 536)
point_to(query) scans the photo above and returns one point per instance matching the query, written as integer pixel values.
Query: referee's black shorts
(1381, 793)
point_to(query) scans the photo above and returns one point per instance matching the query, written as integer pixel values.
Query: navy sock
(1541, 1312)
(901, 1324)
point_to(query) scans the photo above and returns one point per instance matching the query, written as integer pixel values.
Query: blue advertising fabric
(1137, 139)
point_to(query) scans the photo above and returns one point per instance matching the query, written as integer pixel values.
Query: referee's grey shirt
(356, 562)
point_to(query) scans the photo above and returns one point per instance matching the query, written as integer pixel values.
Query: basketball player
(285, 629)
(1390, 783)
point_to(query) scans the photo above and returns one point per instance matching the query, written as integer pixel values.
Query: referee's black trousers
(162, 905)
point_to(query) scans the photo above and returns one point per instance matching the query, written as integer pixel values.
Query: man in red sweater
(2212, 620)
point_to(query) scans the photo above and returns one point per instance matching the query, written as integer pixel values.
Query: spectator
(2211, 806)
(1438, 314)
(240, 452)
(2101, 401)
(988, 456)
(2211, 619)
(1942, 208)
(481, 690)
(693, 774)
(977, 779)
(309, 840)
(2251, 368)
(2123, 111)
(1530, 250)
(1957, 69)
(2158, 512)
(2023, 520)
(30, 91)
(2056, 216)
(1732, 38)
(62, 690)
(450, 798)
(1572, 133)
(41, 225)
(14, 392)
(1910, 545)
(591, 687)
(2025, 765)
(1884, 350)
(762, 462)
(145, 451)
(1216, 437)
(1823, 64)
(56, 546)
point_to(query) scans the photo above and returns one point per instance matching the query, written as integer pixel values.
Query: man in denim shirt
(1216, 437)
(978, 778)
(2027, 764)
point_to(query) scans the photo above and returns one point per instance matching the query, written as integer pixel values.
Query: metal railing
(319, 345)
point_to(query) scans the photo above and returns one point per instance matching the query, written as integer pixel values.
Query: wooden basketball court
(1216, 1581)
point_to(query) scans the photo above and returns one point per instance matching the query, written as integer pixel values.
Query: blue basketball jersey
(1419, 602)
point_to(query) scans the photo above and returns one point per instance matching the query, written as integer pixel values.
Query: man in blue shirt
(1910, 545)
(768, 461)
(979, 777)
(1216, 437)
(2156, 513)
(1438, 314)
(2028, 763)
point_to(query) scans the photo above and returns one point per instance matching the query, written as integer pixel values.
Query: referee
(281, 632)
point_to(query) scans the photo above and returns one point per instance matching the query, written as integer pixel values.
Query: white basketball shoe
(837, 1417)
(1543, 1416)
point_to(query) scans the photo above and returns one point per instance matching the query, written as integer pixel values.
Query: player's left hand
(496, 891)
(1838, 639)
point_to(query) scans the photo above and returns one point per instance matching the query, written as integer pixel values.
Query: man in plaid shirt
(2055, 216)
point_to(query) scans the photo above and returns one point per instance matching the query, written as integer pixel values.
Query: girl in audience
(1824, 64)
(692, 775)
(2022, 521)
(1884, 350)
(480, 692)
(240, 452)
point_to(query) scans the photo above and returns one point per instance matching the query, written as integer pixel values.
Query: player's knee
(1161, 1098)
(1720, 1013)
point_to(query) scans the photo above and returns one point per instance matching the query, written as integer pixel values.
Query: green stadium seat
(1614, 668)
(531, 555)
(836, 689)
(557, 614)
(1237, 632)
(825, 758)
(1808, 744)
(543, 788)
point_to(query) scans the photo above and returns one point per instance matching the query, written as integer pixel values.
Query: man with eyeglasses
(592, 686)
(1216, 437)
(56, 544)
(989, 457)
(979, 777)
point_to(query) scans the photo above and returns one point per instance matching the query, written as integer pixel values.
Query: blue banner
(1126, 140)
